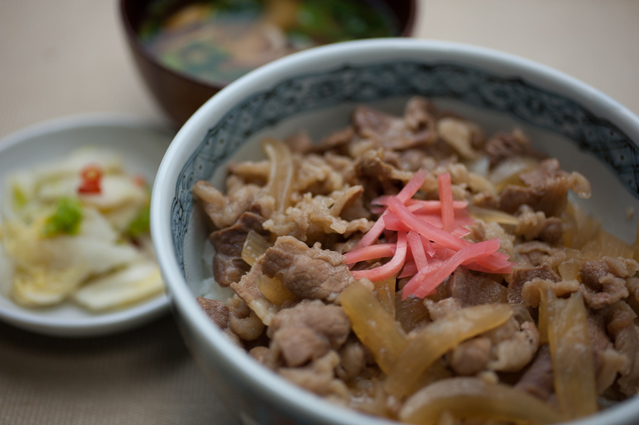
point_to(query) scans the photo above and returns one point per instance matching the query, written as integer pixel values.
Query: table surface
(69, 57)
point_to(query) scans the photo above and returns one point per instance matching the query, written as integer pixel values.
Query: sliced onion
(571, 352)
(435, 339)
(280, 179)
(254, 247)
(476, 399)
(375, 327)
(508, 171)
(273, 289)
(492, 216)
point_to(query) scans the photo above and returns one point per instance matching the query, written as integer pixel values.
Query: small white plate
(142, 145)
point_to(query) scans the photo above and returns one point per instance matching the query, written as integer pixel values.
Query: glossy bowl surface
(180, 94)
(316, 91)
(142, 145)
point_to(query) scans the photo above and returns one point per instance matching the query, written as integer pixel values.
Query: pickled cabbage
(58, 238)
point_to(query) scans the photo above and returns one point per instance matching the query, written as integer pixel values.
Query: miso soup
(220, 40)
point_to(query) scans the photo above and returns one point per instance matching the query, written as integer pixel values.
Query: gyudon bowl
(493, 124)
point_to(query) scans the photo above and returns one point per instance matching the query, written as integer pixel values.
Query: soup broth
(221, 40)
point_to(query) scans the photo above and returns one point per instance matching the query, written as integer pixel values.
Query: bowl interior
(142, 146)
(322, 103)
(135, 13)
(498, 93)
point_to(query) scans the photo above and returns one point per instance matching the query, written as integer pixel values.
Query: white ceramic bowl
(142, 145)
(316, 90)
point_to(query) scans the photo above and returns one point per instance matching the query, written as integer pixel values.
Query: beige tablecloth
(66, 57)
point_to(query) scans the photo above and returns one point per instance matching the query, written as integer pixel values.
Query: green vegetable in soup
(220, 40)
(197, 56)
(327, 21)
(243, 7)
(65, 220)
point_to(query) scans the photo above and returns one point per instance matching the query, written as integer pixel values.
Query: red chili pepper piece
(91, 176)
(139, 180)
